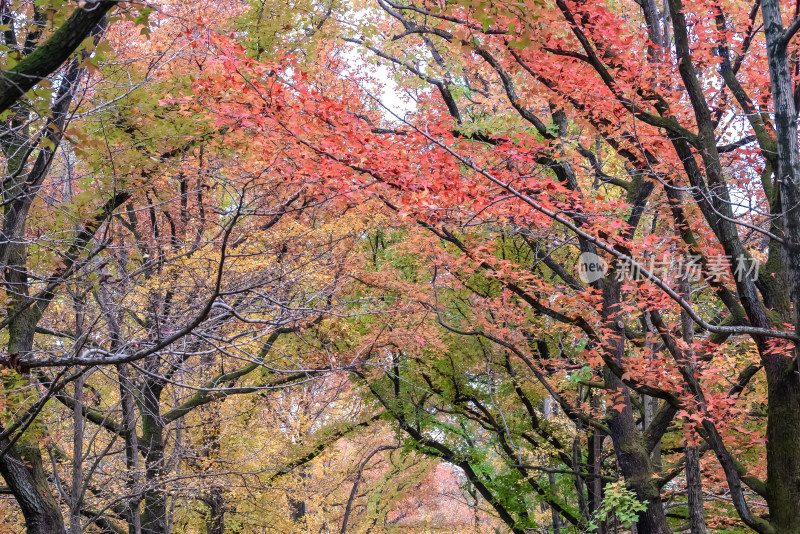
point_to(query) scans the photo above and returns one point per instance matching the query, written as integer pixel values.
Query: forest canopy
(399, 266)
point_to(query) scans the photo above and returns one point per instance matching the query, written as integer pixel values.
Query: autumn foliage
(400, 266)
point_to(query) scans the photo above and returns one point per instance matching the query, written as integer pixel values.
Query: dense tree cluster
(395, 265)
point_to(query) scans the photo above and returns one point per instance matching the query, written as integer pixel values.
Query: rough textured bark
(50, 55)
(634, 463)
(154, 516)
(783, 381)
(697, 518)
(630, 445)
(24, 474)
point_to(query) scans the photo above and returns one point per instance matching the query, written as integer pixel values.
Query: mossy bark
(50, 55)
(783, 451)
(783, 380)
(154, 516)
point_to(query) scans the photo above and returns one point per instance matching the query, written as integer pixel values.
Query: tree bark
(131, 503)
(633, 457)
(783, 381)
(215, 519)
(595, 484)
(154, 516)
(51, 54)
(22, 469)
(76, 490)
(697, 518)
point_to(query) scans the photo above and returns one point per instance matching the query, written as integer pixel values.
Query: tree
(591, 206)
(669, 117)
(32, 53)
(37, 52)
(203, 252)
(650, 335)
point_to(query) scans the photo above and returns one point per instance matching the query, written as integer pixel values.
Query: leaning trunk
(22, 466)
(22, 470)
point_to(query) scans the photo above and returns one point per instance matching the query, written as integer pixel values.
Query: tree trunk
(22, 466)
(697, 518)
(783, 454)
(298, 509)
(783, 383)
(547, 411)
(131, 503)
(154, 517)
(214, 498)
(630, 444)
(595, 485)
(76, 490)
(215, 520)
(634, 463)
(22, 469)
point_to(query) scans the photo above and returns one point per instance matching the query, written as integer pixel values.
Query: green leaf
(144, 16)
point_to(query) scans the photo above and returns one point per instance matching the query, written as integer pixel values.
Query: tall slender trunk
(630, 444)
(214, 497)
(580, 481)
(547, 411)
(76, 490)
(131, 503)
(154, 516)
(697, 518)
(783, 381)
(595, 485)
(694, 482)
